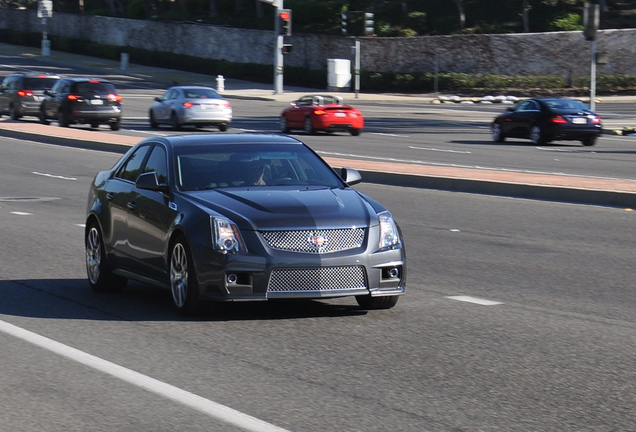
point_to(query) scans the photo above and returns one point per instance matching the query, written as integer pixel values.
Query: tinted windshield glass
(248, 165)
(39, 83)
(94, 87)
(201, 94)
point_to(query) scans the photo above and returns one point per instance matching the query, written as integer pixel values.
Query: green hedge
(424, 82)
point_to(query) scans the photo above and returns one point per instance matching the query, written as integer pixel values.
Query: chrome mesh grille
(317, 279)
(315, 241)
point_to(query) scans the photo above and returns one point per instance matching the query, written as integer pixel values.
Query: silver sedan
(191, 105)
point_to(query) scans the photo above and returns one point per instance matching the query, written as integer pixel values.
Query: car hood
(274, 208)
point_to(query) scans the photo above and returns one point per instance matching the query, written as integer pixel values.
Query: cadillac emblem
(318, 241)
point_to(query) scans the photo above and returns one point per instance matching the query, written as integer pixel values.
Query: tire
(496, 133)
(13, 113)
(354, 131)
(94, 125)
(62, 119)
(371, 303)
(536, 135)
(174, 121)
(223, 127)
(153, 121)
(115, 126)
(588, 142)
(284, 127)
(99, 274)
(43, 119)
(183, 281)
(309, 127)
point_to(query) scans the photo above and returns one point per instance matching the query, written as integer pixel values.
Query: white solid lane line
(475, 300)
(206, 406)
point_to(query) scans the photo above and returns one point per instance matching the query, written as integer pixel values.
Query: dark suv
(22, 93)
(92, 101)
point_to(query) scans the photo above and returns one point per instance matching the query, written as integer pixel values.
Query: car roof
(36, 74)
(224, 139)
(192, 87)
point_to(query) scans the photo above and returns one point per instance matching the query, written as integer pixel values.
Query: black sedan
(548, 119)
(240, 217)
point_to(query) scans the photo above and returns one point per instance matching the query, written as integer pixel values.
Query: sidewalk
(577, 189)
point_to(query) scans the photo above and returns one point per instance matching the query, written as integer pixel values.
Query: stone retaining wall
(566, 54)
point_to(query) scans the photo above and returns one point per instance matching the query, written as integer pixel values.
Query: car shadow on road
(74, 299)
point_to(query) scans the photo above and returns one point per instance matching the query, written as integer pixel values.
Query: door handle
(131, 205)
(110, 196)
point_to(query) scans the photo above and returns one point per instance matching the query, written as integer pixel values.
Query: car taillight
(319, 112)
(23, 93)
(558, 119)
(226, 105)
(188, 104)
(72, 97)
(595, 119)
(114, 97)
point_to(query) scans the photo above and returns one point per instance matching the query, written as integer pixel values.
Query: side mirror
(158, 99)
(148, 181)
(350, 176)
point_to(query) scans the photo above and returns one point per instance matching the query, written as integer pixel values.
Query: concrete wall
(560, 53)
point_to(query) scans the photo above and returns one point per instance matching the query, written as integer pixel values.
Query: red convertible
(321, 112)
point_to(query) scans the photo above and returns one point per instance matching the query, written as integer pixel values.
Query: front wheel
(284, 126)
(153, 121)
(99, 273)
(43, 119)
(183, 281)
(497, 133)
(309, 126)
(536, 135)
(368, 302)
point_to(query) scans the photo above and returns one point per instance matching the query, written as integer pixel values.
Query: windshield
(251, 165)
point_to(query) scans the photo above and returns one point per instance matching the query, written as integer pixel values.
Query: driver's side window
(131, 169)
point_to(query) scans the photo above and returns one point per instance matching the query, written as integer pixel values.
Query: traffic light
(369, 25)
(284, 18)
(344, 22)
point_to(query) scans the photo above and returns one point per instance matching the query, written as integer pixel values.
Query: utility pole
(591, 19)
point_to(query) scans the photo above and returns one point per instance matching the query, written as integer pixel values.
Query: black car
(22, 93)
(548, 119)
(92, 101)
(240, 217)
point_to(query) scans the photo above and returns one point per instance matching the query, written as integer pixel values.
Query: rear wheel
(589, 141)
(94, 125)
(309, 126)
(497, 133)
(116, 125)
(354, 131)
(223, 127)
(62, 119)
(99, 274)
(368, 302)
(13, 113)
(183, 281)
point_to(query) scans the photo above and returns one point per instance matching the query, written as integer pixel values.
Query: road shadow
(73, 299)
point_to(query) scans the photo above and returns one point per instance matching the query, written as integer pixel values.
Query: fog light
(232, 278)
(394, 272)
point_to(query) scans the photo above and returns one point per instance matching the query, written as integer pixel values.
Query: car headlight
(226, 237)
(389, 235)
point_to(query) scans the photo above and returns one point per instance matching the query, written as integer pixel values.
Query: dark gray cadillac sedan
(240, 217)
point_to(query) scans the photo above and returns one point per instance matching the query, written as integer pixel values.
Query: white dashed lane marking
(475, 300)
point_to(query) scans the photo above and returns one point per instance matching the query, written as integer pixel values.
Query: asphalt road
(518, 316)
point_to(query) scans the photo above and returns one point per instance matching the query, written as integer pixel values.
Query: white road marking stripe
(206, 406)
(21, 213)
(476, 300)
(53, 176)
(439, 150)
